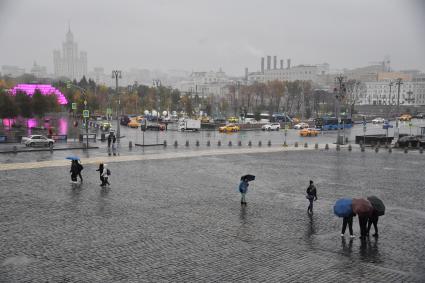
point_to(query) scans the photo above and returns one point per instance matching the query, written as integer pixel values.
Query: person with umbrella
(343, 208)
(74, 168)
(311, 196)
(378, 210)
(243, 186)
(363, 208)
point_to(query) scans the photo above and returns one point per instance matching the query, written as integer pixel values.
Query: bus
(331, 123)
(250, 118)
(281, 118)
(264, 118)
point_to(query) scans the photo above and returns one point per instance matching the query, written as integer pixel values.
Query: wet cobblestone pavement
(180, 220)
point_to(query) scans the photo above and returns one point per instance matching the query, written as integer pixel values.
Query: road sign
(108, 111)
(86, 113)
(364, 123)
(74, 106)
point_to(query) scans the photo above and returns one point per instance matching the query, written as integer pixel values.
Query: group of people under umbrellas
(368, 210)
(76, 169)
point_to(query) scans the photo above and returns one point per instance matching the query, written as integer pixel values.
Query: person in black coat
(74, 171)
(79, 169)
(100, 169)
(311, 196)
(373, 219)
(348, 221)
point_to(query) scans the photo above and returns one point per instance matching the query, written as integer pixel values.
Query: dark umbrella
(248, 177)
(362, 207)
(343, 207)
(377, 205)
(73, 157)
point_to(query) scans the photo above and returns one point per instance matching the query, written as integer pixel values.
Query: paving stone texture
(180, 220)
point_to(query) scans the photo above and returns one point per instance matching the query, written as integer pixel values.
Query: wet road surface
(180, 220)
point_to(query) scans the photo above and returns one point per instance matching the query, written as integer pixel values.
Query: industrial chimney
(288, 62)
(281, 64)
(269, 62)
(246, 74)
(274, 62)
(262, 65)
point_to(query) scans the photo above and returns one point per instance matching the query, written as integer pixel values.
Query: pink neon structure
(29, 89)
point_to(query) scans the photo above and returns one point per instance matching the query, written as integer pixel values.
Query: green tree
(8, 107)
(23, 102)
(39, 104)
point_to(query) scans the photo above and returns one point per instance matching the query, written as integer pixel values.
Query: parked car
(378, 121)
(405, 117)
(301, 125)
(411, 141)
(309, 132)
(420, 116)
(133, 124)
(232, 119)
(105, 126)
(229, 128)
(37, 140)
(271, 127)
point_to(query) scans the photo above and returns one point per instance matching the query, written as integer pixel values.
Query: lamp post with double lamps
(340, 92)
(116, 74)
(157, 84)
(85, 113)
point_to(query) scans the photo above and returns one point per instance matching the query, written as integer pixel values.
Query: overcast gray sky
(209, 34)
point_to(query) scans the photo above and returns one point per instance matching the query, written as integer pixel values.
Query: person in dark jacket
(243, 189)
(311, 196)
(373, 219)
(363, 226)
(79, 169)
(100, 169)
(110, 139)
(348, 221)
(74, 171)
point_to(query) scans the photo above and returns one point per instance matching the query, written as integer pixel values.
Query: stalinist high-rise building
(70, 63)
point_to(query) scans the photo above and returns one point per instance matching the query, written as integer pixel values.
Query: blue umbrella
(73, 157)
(343, 207)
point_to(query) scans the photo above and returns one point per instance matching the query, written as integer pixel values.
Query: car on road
(232, 119)
(105, 126)
(301, 125)
(420, 116)
(405, 117)
(229, 128)
(133, 124)
(378, 121)
(309, 132)
(271, 127)
(411, 141)
(37, 140)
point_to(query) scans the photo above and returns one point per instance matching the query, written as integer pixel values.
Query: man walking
(311, 196)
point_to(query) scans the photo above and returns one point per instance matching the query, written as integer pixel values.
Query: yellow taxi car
(405, 117)
(133, 123)
(205, 120)
(309, 132)
(229, 128)
(232, 119)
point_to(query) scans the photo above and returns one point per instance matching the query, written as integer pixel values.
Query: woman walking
(243, 189)
(311, 196)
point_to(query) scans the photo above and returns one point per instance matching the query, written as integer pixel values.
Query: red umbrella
(362, 207)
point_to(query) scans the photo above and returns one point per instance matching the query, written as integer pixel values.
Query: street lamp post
(339, 95)
(116, 74)
(399, 82)
(84, 91)
(157, 84)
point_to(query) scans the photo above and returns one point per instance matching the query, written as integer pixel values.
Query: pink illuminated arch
(29, 89)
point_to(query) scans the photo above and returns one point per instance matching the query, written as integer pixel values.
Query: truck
(189, 125)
